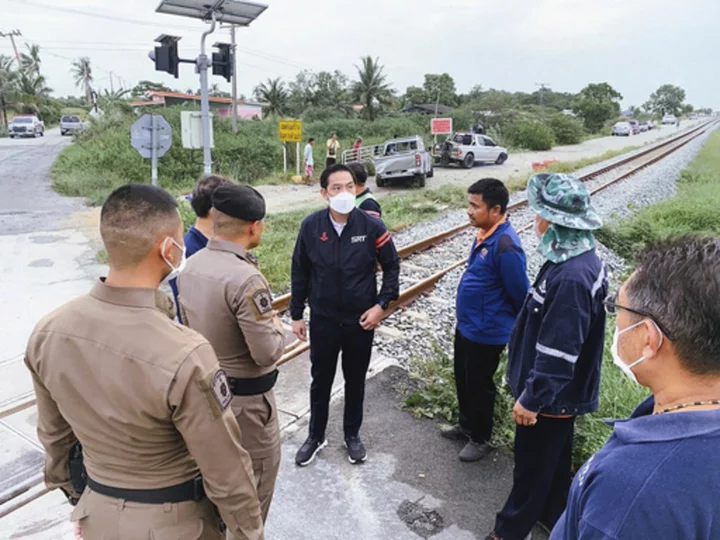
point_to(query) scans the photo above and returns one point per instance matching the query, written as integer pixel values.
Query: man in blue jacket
(490, 296)
(556, 353)
(658, 476)
(334, 265)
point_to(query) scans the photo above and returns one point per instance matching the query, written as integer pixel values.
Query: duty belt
(253, 387)
(192, 490)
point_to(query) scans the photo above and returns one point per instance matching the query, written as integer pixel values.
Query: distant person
(658, 475)
(199, 234)
(356, 148)
(333, 149)
(556, 353)
(364, 198)
(491, 293)
(309, 161)
(335, 266)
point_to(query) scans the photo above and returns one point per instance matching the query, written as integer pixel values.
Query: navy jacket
(656, 478)
(556, 348)
(194, 242)
(493, 288)
(338, 273)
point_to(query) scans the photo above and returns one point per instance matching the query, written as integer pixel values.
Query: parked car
(651, 125)
(635, 126)
(397, 159)
(644, 127)
(70, 125)
(693, 117)
(466, 149)
(26, 126)
(669, 119)
(622, 129)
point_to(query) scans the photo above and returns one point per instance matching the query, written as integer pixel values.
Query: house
(247, 110)
(427, 109)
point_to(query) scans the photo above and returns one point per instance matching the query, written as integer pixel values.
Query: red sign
(442, 126)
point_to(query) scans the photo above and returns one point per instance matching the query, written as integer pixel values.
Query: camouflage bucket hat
(563, 200)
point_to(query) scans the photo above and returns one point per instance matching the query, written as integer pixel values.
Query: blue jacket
(493, 288)
(338, 273)
(194, 242)
(656, 478)
(556, 348)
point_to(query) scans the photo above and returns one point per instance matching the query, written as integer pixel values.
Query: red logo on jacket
(324, 237)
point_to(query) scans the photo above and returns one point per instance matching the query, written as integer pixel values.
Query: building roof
(157, 97)
(429, 109)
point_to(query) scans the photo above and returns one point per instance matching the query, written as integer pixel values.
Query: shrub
(566, 129)
(3, 132)
(531, 135)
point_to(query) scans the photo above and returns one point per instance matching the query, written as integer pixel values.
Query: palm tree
(372, 86)
(82, 73)
(274, 95)
(30, 61)
(8, 84)
(33, 86)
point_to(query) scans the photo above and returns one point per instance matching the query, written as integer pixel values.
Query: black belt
(253, 387)
(192, 490)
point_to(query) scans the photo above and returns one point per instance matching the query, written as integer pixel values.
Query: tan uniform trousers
(260, 428)
(108, 518)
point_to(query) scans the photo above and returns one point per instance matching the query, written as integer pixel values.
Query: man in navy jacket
(334, 266)
(490, 295)
(659, 474)
(556, 353)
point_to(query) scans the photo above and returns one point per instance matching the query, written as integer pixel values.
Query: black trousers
(475, 367)
(541, 480)
(330, 161)
(327, 339)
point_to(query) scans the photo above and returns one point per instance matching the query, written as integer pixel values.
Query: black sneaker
(455, 433)
(308, 451)
(356, 450)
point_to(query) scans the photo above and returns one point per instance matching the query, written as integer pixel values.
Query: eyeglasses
(612, 307)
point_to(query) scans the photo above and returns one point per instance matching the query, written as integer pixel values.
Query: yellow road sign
(291, 132)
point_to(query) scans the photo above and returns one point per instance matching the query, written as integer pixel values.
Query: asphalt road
(28, 203)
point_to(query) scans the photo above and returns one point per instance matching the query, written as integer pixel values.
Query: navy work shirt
(194, 242)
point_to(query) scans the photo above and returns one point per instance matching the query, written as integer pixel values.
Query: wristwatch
(384, 304)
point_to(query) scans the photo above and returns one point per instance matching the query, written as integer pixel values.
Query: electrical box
(192, 131)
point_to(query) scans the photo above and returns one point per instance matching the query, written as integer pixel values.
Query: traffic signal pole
(203, 63)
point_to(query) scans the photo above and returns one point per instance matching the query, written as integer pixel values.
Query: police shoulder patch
(262, 303)
(217, 392)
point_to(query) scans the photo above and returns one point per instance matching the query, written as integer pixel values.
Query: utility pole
(234, 80)
(11, 34)
(112, 89)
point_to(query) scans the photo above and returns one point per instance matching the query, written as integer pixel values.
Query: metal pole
(17, 54)
(234, 80)
(154, 151)
(112, 89)
(285, 157)
(297, 161)
(203, 64)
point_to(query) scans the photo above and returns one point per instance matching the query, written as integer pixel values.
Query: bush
(3, 132)
(566, 129)
(531, 135)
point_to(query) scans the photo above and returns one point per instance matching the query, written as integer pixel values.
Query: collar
(483, 236)
(668, 427)
(223, 245)
(123, 296)
(367, 190)
(196, 232)
(331, 220)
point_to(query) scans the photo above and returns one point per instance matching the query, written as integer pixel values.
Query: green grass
(435, 397)
(694, 210)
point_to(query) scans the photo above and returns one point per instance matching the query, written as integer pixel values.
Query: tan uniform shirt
(224, 296)
(146, 399)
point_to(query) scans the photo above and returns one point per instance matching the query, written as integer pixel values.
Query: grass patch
(693, 211)
(434, 397)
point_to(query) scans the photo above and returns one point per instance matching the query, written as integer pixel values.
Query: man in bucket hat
(555, 353)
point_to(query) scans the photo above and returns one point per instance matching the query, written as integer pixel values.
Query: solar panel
(226, 11)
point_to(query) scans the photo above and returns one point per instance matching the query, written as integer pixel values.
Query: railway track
(30, 489)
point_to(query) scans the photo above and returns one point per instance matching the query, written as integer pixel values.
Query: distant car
(635, 126)
(651, 124)
(693, 117)
(26, 126)
(669, 119)
(622, 129)
(644, 127)
(466, 149)
(70, 125)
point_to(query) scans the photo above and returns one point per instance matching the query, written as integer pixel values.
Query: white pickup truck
(466, 149)
(397, 159)
(26, 126)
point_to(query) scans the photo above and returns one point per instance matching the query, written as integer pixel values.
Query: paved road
(28, 203)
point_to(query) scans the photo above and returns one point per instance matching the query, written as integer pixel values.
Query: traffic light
(223, 60)
(166, 55)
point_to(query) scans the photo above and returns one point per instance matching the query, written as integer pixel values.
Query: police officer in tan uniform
(143, 395)
(224, 296)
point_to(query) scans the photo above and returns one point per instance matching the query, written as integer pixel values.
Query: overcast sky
(635, 45)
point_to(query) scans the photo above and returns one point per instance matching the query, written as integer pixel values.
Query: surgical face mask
(627, 369)
(174, 270)
(343, 203)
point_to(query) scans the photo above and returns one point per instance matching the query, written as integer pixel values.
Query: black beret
(241, 202)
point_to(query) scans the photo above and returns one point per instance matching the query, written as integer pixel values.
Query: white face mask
(343, 203)
(174, 270)
(627, 369)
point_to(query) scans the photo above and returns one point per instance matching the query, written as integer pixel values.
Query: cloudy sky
(635, 45)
